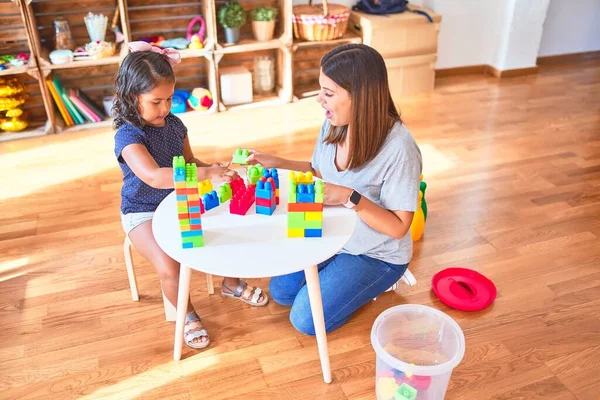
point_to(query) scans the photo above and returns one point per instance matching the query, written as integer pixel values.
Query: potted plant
(263, 23)
(232, 16)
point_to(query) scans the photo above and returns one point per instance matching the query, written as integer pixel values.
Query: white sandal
(194, 329)
(237, 294)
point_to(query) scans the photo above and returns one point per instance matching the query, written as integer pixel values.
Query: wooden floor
(513, 173)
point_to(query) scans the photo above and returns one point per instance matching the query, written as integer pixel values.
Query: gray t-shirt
(391, 179)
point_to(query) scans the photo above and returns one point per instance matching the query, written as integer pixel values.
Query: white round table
(253, 246)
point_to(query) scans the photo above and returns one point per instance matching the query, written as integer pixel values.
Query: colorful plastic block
(313, 233)
(242, 200)
(240, 156)
(313, 216)
(271, 173)
(405, 392)
(205, 187)
(237, 184)
(224, 192)
(319, 191)
(254, 173)
(301, 177)
(295, 232)
(210, 200)
(292, 192)
(386, 388)
(306, 207)
(305, 193)
(265, 190)
(189, 206)
(265, 210)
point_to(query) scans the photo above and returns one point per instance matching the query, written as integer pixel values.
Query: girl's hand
(335, 194)
(265, 160)
(219, 173)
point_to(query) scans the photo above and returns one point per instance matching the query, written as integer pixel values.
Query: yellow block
(295, 232)
(193, 197)
(302, 177)
(277, 192)
(313, 216)
(182, 204)
(184, 228)
(180, 185)
(205, 187)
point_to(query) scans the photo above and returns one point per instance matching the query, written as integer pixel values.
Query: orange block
(306, 207)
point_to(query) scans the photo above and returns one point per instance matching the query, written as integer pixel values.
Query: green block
(184, 222)
(405, 392)
(224, 192)
(296, 220)
(291, 192)
(319, 198)
(254, 173)
(178, 162)
(313, 224)
(239, 156)
(182, 209)
(198, 241)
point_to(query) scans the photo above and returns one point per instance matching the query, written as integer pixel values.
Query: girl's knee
(279, 293)
(302, 321)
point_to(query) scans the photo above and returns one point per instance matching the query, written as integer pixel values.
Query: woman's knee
(280, 292)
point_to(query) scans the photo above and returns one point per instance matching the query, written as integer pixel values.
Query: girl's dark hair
(361, 70)
(140, 72)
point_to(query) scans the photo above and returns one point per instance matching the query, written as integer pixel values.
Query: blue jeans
(347, 283)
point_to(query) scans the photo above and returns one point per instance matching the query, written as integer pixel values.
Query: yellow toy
(418, 223)
(196, 44)
(10, 100)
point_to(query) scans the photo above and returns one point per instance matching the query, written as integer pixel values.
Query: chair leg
(130, 270)
(170, 309)
(209, 284)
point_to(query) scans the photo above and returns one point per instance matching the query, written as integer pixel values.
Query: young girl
(148, 137)
(371, 164)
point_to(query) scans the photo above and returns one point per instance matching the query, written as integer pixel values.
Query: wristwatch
(353, 199)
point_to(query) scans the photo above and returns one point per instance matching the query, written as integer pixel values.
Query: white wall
(571, 27)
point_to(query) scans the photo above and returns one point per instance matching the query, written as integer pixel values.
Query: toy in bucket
(320, 23)
(417, 348)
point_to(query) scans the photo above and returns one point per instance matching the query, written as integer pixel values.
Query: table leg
(316, 306)
(185, 274)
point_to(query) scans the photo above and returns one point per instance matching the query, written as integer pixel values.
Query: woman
(369, 162)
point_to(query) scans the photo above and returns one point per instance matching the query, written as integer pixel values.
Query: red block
(306, 207)
(265, 202)
(184, 216)
(195, 216)
(236, 185)
(242, 201)
(195, 227)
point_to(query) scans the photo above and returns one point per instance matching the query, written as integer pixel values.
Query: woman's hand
(335, 194)
(219, 173)
(265, 160)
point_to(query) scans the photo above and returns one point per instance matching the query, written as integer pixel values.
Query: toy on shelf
(272, 173)
(11, 98)
(189, 206)
(305, 206)
(200, 99)
(242, 200)
(179, 101)
(240, 156)
(197, 39)
(265, 196)
(225, 193)
(254, 173)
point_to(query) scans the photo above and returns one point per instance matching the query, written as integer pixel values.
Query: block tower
(265, 196)
(189, 206)
(305, 205)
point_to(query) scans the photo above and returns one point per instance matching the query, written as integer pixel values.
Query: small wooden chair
(170, 309)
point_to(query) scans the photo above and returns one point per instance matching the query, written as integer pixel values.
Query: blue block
(264, 190)
(188, 245)
(305, 193)
(194, 209)
(179, 178)
(191, 234)
(265, 210)
(182, 198)
(313, 232)
(272, 173)
(210, 200)
(195, 221)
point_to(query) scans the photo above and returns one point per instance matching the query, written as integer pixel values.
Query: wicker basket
(320, 22)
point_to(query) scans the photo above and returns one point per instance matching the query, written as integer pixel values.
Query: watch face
(355, 197)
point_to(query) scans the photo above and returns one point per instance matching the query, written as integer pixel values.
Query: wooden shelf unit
(15, 38)
(297, 62)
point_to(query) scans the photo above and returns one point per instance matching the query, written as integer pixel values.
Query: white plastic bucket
(417, 348)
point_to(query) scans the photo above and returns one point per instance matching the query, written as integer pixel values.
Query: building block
(205, 187)
(237, 184)
(210, 200)
(292, 192)
(189, 206)
(265, 210)
(254, 173)
(305, 207)
(265, 189)
(313, 224)
(240, 156)
(242, 200)
(405, 392)
(302, 177)
(305, 193)
(265, 202)
(295, 232)
(313, 216)
(224, 192)
(313, 233)
(319, 191)
(271, 173)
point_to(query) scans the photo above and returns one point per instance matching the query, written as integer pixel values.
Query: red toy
(463, 289)
(242, 200)
(237, 184)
